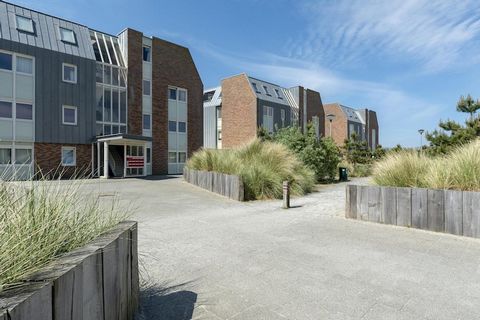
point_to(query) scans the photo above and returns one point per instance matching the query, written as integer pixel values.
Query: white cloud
(434, 34)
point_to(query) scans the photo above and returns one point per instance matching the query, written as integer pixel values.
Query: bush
(356, 169)
(263, 166)
(320, 155)
(40, 220)
(459, 169)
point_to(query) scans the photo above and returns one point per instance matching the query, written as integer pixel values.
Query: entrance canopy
(121, 139)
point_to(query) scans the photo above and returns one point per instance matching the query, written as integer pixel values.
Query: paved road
(206, 257)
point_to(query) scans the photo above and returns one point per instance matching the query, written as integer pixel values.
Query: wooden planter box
(449, 211)
(226, 185)
(97, 281)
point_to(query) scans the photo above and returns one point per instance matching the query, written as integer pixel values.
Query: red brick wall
(315, 108)
(135, 78)
(173, 65)
(48, 159)
(339, 125)
(239, 111)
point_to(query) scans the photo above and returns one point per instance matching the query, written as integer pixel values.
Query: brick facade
(239, 111)
(173, 65)
(135, 81)
(48, 160)
(339, 124)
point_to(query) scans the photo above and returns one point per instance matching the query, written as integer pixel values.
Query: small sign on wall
(135, 161)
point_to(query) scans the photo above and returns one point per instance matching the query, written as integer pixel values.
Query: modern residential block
(73, 99)
(342, 121)
(234, 111)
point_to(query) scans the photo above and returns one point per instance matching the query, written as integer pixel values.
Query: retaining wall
(98, 281)
(449, 211)
(224, 184)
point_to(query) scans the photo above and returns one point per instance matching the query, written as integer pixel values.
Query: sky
(409, 60)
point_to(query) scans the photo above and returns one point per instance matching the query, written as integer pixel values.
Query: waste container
(342, 174)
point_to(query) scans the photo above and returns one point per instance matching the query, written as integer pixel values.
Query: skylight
(25, 24)
(67, 35)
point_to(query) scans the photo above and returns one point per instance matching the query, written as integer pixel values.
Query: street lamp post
(330, 118)
(421, 131)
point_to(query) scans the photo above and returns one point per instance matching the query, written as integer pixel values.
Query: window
(146, 87)
(182, 157)
(5, 156)
(149, 155)
(282, 117)
(182, 95)
(107, 75)
(69, 156)
(99, 73)
(172, 157)
(5, 61)
(23, 156)
(172, 94)
(68, 36)
(99, 108)
(208, 96)
(107, 111)
(266, 91)
(5, 109)
(268, 118)
(25, 24)
(115, 75)
(182, 127)
(69, 115)
(255, 87)
(172, 126)
(147, 125)
(278, 94)
(24, 111)
(351, 128)
(69, 73)
(147, 54)
(24, 65)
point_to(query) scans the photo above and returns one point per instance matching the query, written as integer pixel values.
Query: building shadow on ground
(166, 302)
(163, 177)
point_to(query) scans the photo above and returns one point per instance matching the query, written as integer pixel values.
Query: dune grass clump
(263, 166)
(458, 170)
(41, 220)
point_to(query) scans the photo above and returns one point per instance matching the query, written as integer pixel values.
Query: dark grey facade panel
(51, 93)
(47, 34)
(277, 117)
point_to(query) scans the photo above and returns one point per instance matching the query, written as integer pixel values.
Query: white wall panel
(6, 129)
(24, 130)
(6, 87)
(24, 87)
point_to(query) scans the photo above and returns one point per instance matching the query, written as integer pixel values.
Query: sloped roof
(212, 97)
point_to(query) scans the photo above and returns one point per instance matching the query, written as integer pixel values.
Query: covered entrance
(120, 156)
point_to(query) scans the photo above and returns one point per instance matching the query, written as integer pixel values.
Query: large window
(24, 65)
(172, 94)
(6, 109)
(147, 87)
(23, 156)
(147, 122)
(25, 24)
(182, 95)
(5, 61)
(68, 36)
(268, 118)
(182, 127)
(24, 111)
(5, 156)
(69, 115)
(69, 73)
(147, 54)
(69, 156)
(172, 126)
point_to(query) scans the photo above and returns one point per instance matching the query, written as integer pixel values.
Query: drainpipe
(105, 160)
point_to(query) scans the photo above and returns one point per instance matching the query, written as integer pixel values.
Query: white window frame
(74, 149)
(16, 65)
(17, 16)
(143, 121)
(143, 87)
(74, 42)
(186, 94)
(63, 115)
(63, 73)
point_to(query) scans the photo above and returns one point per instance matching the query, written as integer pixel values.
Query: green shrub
(320, 155)
(40, 220)
(459, 169)
(263, 166)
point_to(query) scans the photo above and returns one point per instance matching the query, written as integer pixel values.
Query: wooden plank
(454, 212)
(435, 210)
(123, 270)
(419, 208)
(135, 283)
(241, 190)
(404, 207)
(471, 214)
(374, 204)
(389, 205)
(351, 201)
(68, 295)
(111, 281)
(92, 287)
(362, 203)
(37, 306)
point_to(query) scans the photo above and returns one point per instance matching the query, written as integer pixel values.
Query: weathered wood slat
(227, 185)
(135, 284)
(68, 295)
(436, 210)
(404, 207)
(454, 212)
(374, 204)
(389, 205)
(351, 206)
(35, 305)
(471, 214)
(419, 208)
(362, 203)
(92, 287)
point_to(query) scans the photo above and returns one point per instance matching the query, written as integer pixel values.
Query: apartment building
(342, 121)
(77, 99)
(235, 110)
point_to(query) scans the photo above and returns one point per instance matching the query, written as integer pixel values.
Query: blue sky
(410, 60)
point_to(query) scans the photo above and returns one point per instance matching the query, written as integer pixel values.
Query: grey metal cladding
(47, 33)
(210, 127)
(51, 93)
(277, 118)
